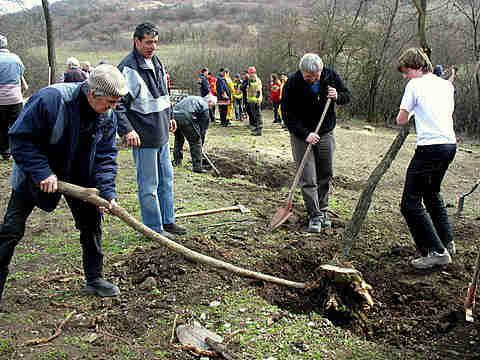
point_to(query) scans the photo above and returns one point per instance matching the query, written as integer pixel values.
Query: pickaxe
(238, 207)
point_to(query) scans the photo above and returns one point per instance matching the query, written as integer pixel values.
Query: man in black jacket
(303, 100)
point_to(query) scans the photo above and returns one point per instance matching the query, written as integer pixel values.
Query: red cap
(252, 70)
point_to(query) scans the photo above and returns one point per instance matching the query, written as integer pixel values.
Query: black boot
(100, 287)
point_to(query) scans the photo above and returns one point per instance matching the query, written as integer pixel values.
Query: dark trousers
(318, 171)
(256, 117)
(8, 115)
(429, 224)
(276, 114)
(186, 130)
(223, 109)
(211, 110)
(87, 220)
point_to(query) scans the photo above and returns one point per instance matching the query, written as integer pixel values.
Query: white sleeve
(408, 100)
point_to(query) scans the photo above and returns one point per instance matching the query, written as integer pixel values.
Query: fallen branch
(196, 351)
(56, 334)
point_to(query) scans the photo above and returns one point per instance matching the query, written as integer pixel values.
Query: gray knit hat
(107, 80)
(3, 42)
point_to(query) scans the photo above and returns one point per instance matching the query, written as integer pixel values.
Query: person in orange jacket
(212, 82)
(275, 97)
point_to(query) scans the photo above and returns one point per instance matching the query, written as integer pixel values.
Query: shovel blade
(281, 215)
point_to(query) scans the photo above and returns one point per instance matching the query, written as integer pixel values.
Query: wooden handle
(90, 195)
(206, 212)
(307, 152)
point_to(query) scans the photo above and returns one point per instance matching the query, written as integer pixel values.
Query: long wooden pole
(90, 196)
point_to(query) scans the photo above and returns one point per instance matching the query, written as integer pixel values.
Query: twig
(106, 333)
(172, 337)
(56, 334)
(228, 339)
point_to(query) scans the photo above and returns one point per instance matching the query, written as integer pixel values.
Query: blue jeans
(155, 186)
(422, 204)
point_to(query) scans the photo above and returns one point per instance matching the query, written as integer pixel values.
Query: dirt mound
(243, 165)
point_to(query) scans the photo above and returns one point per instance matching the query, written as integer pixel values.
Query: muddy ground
(415, 314)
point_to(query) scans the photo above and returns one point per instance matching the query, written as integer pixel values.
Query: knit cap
(107, 80)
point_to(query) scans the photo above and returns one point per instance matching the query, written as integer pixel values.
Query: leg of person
(11, 231)
(276, 118)
(4, 131)
(250, 115)
(230, 112)
(223, 114)
(236, 105)
(178, 144)
(433, 199)
(88, 221)
(308, 183)
(195, 143)
(418, 220)
(13, 111)
(324, 152)
(165, 191)
(257, 119)
(147, 181)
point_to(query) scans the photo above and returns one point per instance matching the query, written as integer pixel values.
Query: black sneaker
(167, 235)
(325, 220)
(174, 229)
(100, 287)
(314, 225)
(200, 171)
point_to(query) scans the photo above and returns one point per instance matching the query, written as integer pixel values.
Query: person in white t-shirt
(429, 100)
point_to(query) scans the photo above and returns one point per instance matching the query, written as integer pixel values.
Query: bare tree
(50, 41)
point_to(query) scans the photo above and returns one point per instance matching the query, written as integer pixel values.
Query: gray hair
(310, 62)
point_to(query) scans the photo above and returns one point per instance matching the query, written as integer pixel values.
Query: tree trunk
(50, 41)
(353, 227)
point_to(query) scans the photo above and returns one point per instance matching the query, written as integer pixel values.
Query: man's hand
(332, 93)
(132, 139)
(50, 184)
(173, 125)
(106, 210)
(312, 138)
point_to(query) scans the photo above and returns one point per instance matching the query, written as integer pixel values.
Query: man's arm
(343, 94)
(105, 166)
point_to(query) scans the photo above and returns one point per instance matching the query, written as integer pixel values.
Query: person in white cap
(74, 73)
(66, 132)
(11, 98)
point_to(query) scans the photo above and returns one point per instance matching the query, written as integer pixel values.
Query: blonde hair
(414, 58)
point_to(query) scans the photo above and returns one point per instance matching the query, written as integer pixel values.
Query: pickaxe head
(243, 209)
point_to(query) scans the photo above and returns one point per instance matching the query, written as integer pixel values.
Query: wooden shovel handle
(207, 212)
(307, 152)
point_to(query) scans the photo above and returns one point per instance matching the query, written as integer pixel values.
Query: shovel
(470, 300)
(283, 213)
(461, 200)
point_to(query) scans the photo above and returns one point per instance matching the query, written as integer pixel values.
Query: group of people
(67, 132)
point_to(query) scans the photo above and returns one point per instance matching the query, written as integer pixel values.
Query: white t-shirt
(430, 99)
(149, 63)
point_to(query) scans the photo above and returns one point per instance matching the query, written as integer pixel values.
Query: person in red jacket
(275, 97)
(212, 82)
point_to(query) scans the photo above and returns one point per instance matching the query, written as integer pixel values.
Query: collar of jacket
(142, 64)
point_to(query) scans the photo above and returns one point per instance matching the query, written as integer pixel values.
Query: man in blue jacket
(303, 99)
(66, 132)
(144, 119)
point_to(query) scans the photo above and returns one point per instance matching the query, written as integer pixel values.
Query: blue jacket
(222, 87)
(146, 108)
(45, 139)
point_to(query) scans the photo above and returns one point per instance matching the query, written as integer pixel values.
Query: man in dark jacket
(303, 100)
(67, 132)
(192, 117)
(223, 97)
(144, 120)
(203, 83)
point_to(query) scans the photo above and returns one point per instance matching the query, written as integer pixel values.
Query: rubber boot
(100, 287)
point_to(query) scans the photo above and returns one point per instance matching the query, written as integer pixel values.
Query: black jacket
(302, 109)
